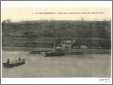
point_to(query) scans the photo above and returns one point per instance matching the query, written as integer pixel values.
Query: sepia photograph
(56, 40)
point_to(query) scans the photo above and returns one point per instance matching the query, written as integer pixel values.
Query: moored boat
(8, 64)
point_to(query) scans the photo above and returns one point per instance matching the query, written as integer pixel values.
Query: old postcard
(48, 41)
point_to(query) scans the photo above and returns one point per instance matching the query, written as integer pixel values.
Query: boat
(9, 64)
(54, 53)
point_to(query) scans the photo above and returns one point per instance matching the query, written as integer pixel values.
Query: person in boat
(19, 59)
(23, 60)
(8, 61)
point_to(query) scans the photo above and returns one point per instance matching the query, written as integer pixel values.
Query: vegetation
(86, 32)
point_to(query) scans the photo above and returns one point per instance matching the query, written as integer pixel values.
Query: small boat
(9, 65)
(54, 53)
(77, 53)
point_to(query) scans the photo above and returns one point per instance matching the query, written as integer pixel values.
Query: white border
(57, 80)
(1, 47)
(55, 3)
(73, 80)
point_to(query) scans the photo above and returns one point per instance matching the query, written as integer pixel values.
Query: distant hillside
(20, 33)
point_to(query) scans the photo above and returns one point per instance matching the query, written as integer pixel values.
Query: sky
(52, 11)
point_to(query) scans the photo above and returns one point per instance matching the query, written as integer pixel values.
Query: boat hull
(12, 65)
